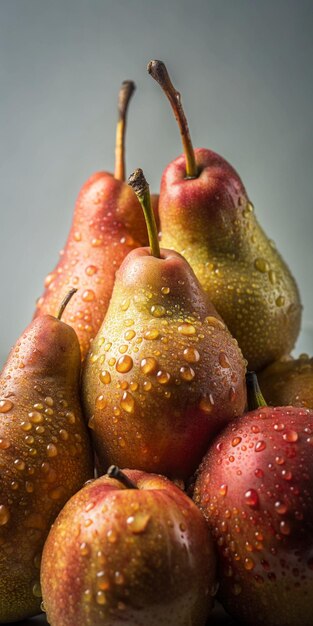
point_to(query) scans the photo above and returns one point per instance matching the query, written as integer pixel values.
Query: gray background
(244, 68)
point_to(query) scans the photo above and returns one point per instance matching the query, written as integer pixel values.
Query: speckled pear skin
(45, 455)
(288, 382)
(108, 222)
(254, 487)
(164, 373)
(211, 222)
(141, 557)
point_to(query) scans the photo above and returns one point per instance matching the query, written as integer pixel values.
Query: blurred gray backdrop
(244, 68)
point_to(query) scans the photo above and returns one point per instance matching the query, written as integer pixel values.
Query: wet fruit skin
(254, 487)
(163, 374)
(141, 557)
(288, 382)
(211, 222)
(45, 455)
(107, 224)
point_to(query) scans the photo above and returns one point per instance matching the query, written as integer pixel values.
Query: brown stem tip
(116, 472)
(138, 182)
(65, 302)
(126, 91)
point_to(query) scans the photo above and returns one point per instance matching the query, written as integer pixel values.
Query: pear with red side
(107, 224)
(163, 374)
(129, 549)
(288, 381)
(45, 454)
(254, 487)
(206, 215)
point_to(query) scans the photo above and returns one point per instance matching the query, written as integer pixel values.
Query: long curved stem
(126, 91)
(158, 71)
(65, 302)
(141, 188)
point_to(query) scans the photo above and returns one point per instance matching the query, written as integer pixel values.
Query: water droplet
(88, 295)
(272, 277)
(49, 280)
(127, 402)
(36, 417)
(206, 404)
(187, 329)
(191, 355)
(236, 441)
(259, 473)
(147, 385)
(223, 489)
(84, 549)
(259, 446)
(163, 377)
(37, 589)
(261, 265)
(129, 334)
(249, 564)
(124, 364)
(101, 402)
(119, 578)
(223, 360)
(187, 373)
(251, 498)
(49, 401)
(281, 507)
(285, 528)
(4, 514)
(138, 523)
(19, 464)
(112, 536)
(105, 377)
(100, 598)
(157, 310)
(280, 301)
(4, 444)
(5, 406)
(214, 321)
(291, 436)
(152, 334)
(52, 450)
(149, 365)
(91, 270)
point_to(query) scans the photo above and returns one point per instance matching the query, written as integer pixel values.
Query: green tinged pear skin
(164, 373)
(45, 455)
(288, 382)
(205, 214)
(211, 222)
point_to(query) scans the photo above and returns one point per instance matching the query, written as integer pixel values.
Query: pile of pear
(146, 368)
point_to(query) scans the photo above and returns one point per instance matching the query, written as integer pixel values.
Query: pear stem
(126, 91)
(65, 302)
(116, 472)
(141, 188)
(158, 71)
(254, 394)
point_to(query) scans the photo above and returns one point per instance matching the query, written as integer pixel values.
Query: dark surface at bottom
(218, 618)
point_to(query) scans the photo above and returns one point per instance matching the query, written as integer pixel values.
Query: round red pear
(136, 552)
(254, 487)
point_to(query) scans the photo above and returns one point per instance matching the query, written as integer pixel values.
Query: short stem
(126, 91)
(159, 72)
(254, 394)
(115, 472)
(141, 188)
(65, 302)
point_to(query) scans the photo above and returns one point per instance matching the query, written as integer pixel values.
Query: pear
(206, 215)
(107, 224)
(45, 454)
(164, 373)
(288, 381)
